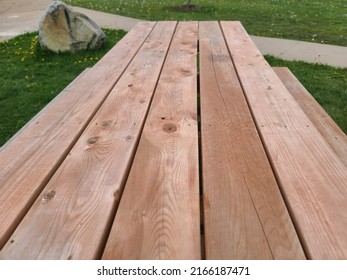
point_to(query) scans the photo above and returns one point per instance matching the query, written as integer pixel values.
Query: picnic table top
(181, 143)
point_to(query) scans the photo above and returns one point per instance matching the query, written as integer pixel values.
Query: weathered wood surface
(245, 215)
(331, 132)
(312, 177)
(72, 216)
(158, 217)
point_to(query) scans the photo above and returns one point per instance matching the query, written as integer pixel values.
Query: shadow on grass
(191, 8)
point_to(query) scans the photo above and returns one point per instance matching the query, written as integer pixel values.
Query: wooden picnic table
(180, 143)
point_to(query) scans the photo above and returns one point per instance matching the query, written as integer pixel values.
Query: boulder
(64, 30)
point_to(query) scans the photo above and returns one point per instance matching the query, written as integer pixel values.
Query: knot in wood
(169, 128)
(106, 123)
(92, 140)
(185, 72)
(47, 197)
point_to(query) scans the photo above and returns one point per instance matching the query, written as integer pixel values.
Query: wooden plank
(312, 177)
(73, 215)
(331, 132)
(245, 215)
(158, 217)
(30, 159)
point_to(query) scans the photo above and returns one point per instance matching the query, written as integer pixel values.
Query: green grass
(328, 85)
(30, 77)
(314, 21)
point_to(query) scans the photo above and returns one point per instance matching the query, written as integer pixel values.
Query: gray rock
(63, 30)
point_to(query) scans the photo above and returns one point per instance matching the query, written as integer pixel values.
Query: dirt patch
(186, 7)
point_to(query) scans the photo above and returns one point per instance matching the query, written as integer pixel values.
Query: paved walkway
(20, 16)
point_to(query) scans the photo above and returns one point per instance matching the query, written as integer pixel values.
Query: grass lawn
(328, 85)
(314, 21)
(30, 78)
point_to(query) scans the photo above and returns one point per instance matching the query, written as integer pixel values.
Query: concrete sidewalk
(298, 50)
(20, 16)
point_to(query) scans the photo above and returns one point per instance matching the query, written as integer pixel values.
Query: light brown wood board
(29, 160)
(158, 216)
(311, 176)
(245, 215)
(331, 132)
(72, 216)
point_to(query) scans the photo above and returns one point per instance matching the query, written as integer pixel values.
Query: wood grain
(245, 215)
(29, 159)
(312, 177)
(72, 216)
(331, 132)
(158, 216)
